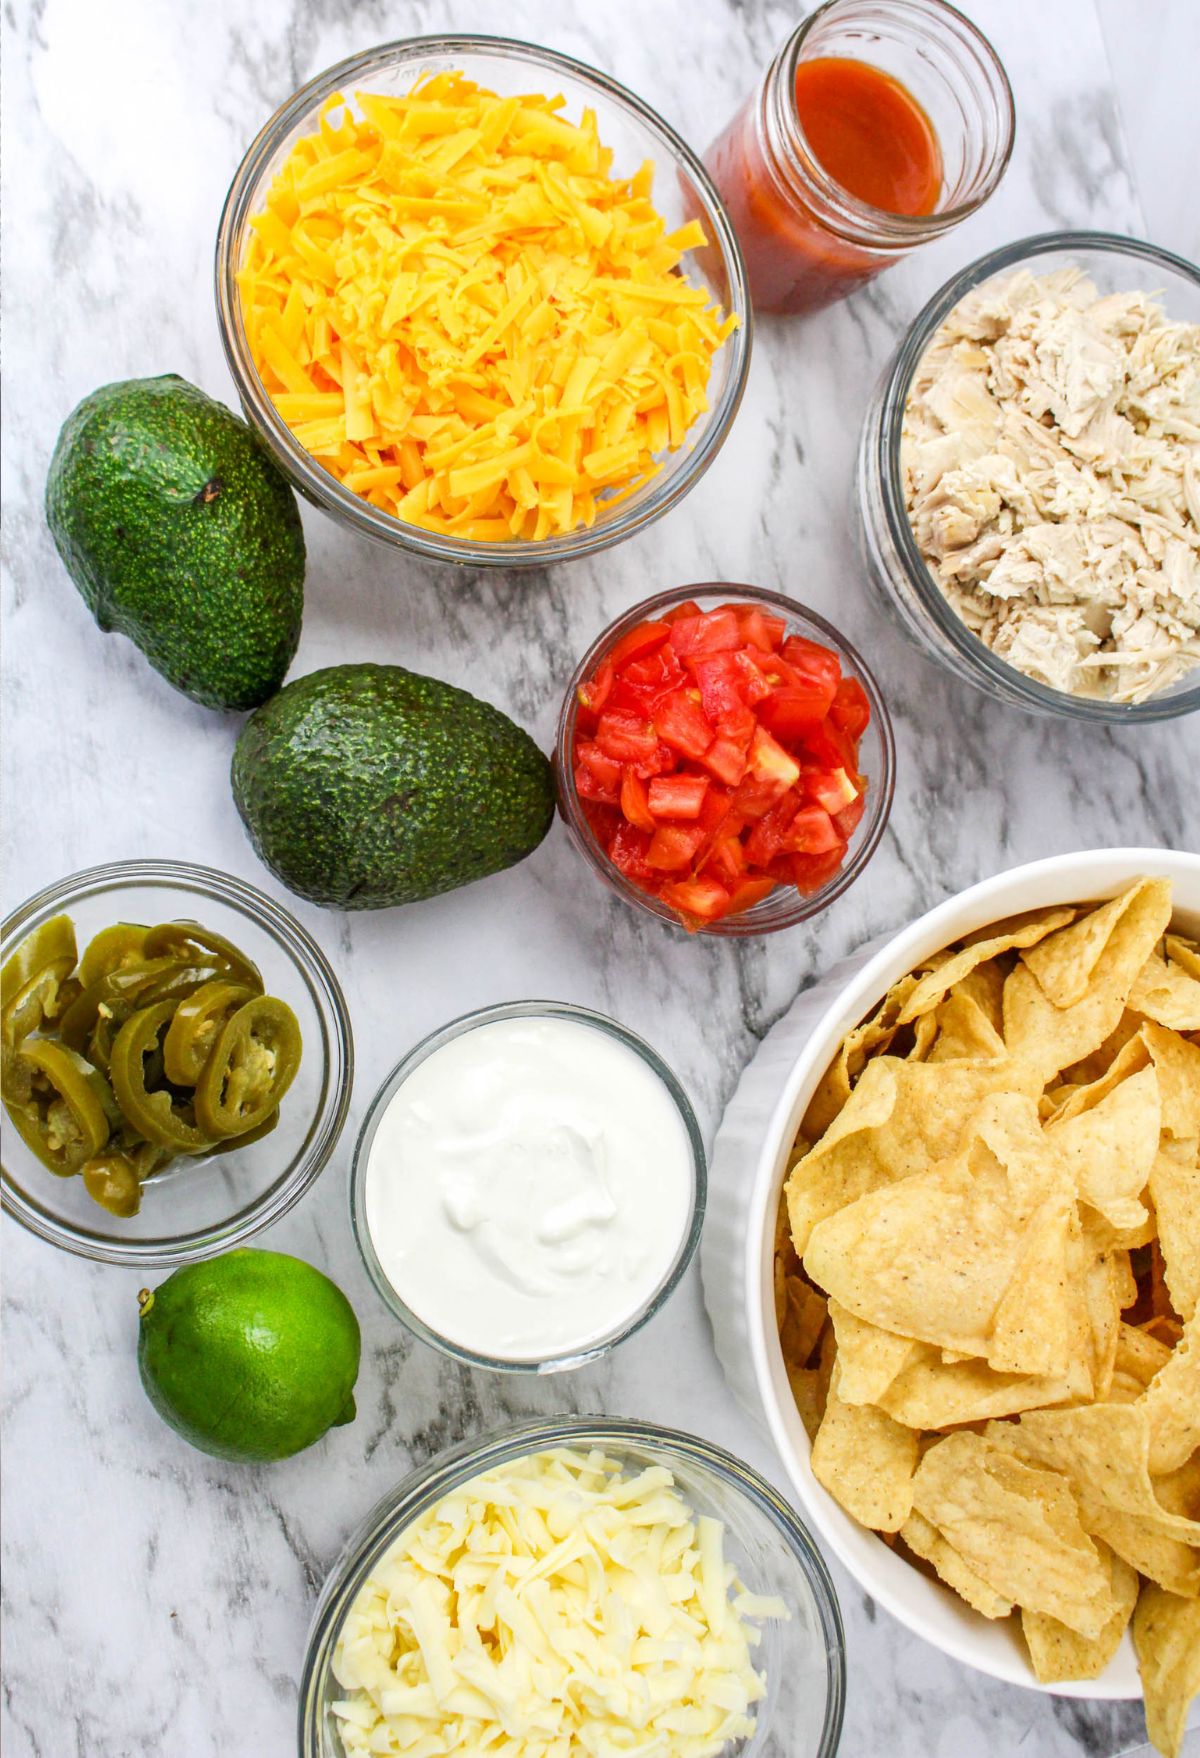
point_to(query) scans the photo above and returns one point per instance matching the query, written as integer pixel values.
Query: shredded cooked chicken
(1051, 465)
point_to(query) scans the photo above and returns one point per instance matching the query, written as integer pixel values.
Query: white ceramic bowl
(746, 1175)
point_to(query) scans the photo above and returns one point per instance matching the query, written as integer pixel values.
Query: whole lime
(251, 1355)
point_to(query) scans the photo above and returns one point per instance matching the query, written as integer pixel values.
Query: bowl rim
(752, 922)
(957, 914)
(408, 1500)
(985, 666)
(337, 1049)
(689, 1240)
(323, 489)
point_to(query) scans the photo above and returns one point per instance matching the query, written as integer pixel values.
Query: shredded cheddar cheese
(463, 315)
(553, 1606)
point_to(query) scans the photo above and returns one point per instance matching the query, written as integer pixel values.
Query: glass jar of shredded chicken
(1166, 681)
(878, 126)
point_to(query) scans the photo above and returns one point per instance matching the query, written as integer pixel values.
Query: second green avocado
(364, 786)
(180, 532)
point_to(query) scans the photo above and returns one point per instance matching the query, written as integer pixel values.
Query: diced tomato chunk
(851, 711)
(810, 872)
(831, 788)
(656, 671)
(680, 721)
(758, 629)
(706, 899)
(594, 694)
(812, 662)
(635, 803)
(722, 691)
(755, 687)
(747, 892)
(830, 747)
(727, 760)
(643, 638)
(627, 852)
(661, 761)
(710, 632)
(793, 711)
(681, 612)
(605, 768)
(625, 736)
(589, 786)
(850, 817)
(674, 846)
(769, 761)
(726, 860)
(811, 832)
(766, 839)
(677, 796)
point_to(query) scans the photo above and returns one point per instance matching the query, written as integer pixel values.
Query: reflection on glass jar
(878, 126)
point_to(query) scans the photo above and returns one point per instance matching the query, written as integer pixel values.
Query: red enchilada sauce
(870, 136)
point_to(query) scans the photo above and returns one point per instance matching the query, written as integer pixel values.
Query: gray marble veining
(157, 1601)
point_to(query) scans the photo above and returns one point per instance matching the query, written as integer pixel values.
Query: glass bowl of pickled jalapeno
(175, 1062)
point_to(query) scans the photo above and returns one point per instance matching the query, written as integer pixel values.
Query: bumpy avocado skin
(181, 533)
(365, 786)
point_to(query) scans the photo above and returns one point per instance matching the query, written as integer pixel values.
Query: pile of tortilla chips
(987, 1280)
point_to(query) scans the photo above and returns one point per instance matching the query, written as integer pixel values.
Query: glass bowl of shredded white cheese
(1029, 478)
(577, 1587)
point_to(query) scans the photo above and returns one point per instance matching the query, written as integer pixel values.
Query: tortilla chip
(868, 1358)
(1104, 1451)
(803, 1320)
(1172, 1404)
(1077, 1097)
(1179, 1490)
(1067, 963)
(874, 1033)
(810, 1386)
(1185, 953)
(1140, 1355)
(933, 1257)
(900, 1119)
(1058, 1652)
(1175, 1192)
(1110, 1147)
(934, 1394)
(926, 1541)
(1017, 1527)
(1168, 1561)
(1177, 1064)
(985, 987)
(1098, 1062)
(1166, 992)
(1018, 931)
(1051, 1036)
(1166, 1634)
(964, 1033)
(866, 1461)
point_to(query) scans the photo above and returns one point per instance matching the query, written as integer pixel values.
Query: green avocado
(181, 533)
(363, 786)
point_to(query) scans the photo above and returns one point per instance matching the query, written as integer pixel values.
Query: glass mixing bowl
(196, 1207)
(803, 1657)
(894, 562)
(785, 906)
(635, 132)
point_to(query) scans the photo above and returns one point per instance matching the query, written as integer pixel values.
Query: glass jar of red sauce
(879, 125)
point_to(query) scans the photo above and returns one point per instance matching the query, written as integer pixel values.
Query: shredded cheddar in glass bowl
(460, 311)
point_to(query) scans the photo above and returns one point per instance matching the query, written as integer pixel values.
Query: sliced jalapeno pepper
(110, 949)
(197, 945)
(154, 1115)
(31, 993)
(251, 1067)
(233, 1142)
(111, 1179)
(115, 995)
(70, 1112)
(196, 1026)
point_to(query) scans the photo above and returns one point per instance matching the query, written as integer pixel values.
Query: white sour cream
(528, 1187)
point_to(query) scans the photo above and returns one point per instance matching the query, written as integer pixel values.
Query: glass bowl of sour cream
(528, 1186)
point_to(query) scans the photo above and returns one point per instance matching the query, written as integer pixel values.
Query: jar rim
(793, 159)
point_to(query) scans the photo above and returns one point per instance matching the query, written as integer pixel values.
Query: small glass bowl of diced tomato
(725, 760)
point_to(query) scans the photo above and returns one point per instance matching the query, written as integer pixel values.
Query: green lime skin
(180, 532)
(249, 1356)
(367, 786)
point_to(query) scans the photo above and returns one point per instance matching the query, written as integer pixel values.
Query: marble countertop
(156, 1600)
